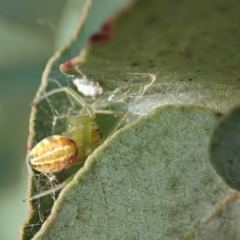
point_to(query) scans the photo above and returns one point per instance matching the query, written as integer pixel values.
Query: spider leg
(45, 193)
(71, 93)
(50, 191)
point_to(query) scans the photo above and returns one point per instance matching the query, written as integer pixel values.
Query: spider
(56, 153)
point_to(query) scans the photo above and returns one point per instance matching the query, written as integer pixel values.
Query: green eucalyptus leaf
(157, 53)
(159, 187)
(225, 149)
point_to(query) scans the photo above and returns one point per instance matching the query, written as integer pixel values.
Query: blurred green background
(27, 35)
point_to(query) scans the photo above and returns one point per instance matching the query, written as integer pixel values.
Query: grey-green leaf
(225, 149)
(162, 187)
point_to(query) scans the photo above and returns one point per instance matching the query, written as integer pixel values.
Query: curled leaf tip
(70, 67)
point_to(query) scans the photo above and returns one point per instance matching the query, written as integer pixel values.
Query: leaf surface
(225, 149)
(162, 187)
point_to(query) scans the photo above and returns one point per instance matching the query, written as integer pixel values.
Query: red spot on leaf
(136, 64)
(103, 35)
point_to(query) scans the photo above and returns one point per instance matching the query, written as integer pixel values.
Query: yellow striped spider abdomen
(53, 154)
